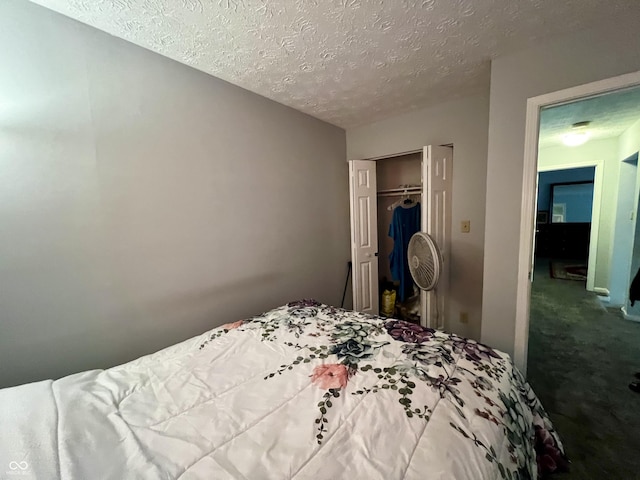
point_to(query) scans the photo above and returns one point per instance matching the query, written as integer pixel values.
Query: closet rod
(392, 192)
(399, 194)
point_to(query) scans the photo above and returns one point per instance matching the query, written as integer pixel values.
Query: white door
(364, 235)
(437, 172)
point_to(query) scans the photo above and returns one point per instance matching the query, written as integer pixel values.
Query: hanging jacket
(404, 223)
(634, 290)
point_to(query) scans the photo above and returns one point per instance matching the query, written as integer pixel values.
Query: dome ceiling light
(578, 135)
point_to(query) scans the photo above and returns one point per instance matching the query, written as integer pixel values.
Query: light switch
(465, 226)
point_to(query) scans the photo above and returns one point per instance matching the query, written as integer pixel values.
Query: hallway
(581, 360)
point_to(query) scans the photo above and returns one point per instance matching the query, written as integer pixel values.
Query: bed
(305, 391)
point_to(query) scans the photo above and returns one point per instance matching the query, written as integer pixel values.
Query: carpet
(582, 357)
(567, 271)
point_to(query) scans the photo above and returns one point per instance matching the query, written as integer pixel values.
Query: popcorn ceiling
(348, 62)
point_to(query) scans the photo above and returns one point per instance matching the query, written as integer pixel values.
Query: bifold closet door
(437, 180)
(364, 235)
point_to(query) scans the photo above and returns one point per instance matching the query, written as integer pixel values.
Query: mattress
(305, 391)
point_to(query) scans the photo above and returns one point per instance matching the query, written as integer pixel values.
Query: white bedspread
(305, 391)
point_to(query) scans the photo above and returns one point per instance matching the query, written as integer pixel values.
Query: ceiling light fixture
(578, 135)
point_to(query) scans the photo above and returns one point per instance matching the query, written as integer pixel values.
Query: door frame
(392, 155)
(598, 183)
(442, 171)
(529, 191)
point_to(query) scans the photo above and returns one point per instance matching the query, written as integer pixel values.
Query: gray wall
(143, 202)
(574, 60)
(463, 123)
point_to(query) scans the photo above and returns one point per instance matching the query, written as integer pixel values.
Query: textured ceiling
(348, 62)
(610, 115)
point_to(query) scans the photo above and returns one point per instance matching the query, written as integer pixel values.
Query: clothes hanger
(394, 204)
(408, 202)
(405, 200)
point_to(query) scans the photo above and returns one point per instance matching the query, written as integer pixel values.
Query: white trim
(602, 291)
(393, 155)
(401, 154)
(626, 316)
(598, 185)
(529, 181)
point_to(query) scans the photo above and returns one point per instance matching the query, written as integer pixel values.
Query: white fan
(425, 261)
(425, 265)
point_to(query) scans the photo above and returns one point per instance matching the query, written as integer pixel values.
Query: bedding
(305, 391)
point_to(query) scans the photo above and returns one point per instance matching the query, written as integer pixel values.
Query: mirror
(571, 202)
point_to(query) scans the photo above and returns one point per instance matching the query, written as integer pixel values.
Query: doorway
(433, 184)
(567, 218)
(581, 352)
(528, 209)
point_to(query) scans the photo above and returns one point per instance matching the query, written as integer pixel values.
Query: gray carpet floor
(582, 357)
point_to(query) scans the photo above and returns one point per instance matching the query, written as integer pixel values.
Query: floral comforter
(305, 391)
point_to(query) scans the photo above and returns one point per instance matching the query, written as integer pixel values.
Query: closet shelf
(393, 192)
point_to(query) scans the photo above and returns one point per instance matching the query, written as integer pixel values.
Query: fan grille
(425, 261)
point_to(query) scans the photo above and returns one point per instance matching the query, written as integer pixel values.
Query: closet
(379, 186)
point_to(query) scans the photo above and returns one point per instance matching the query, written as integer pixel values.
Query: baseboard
(602, 291)
(633, 318)
(604, 299)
